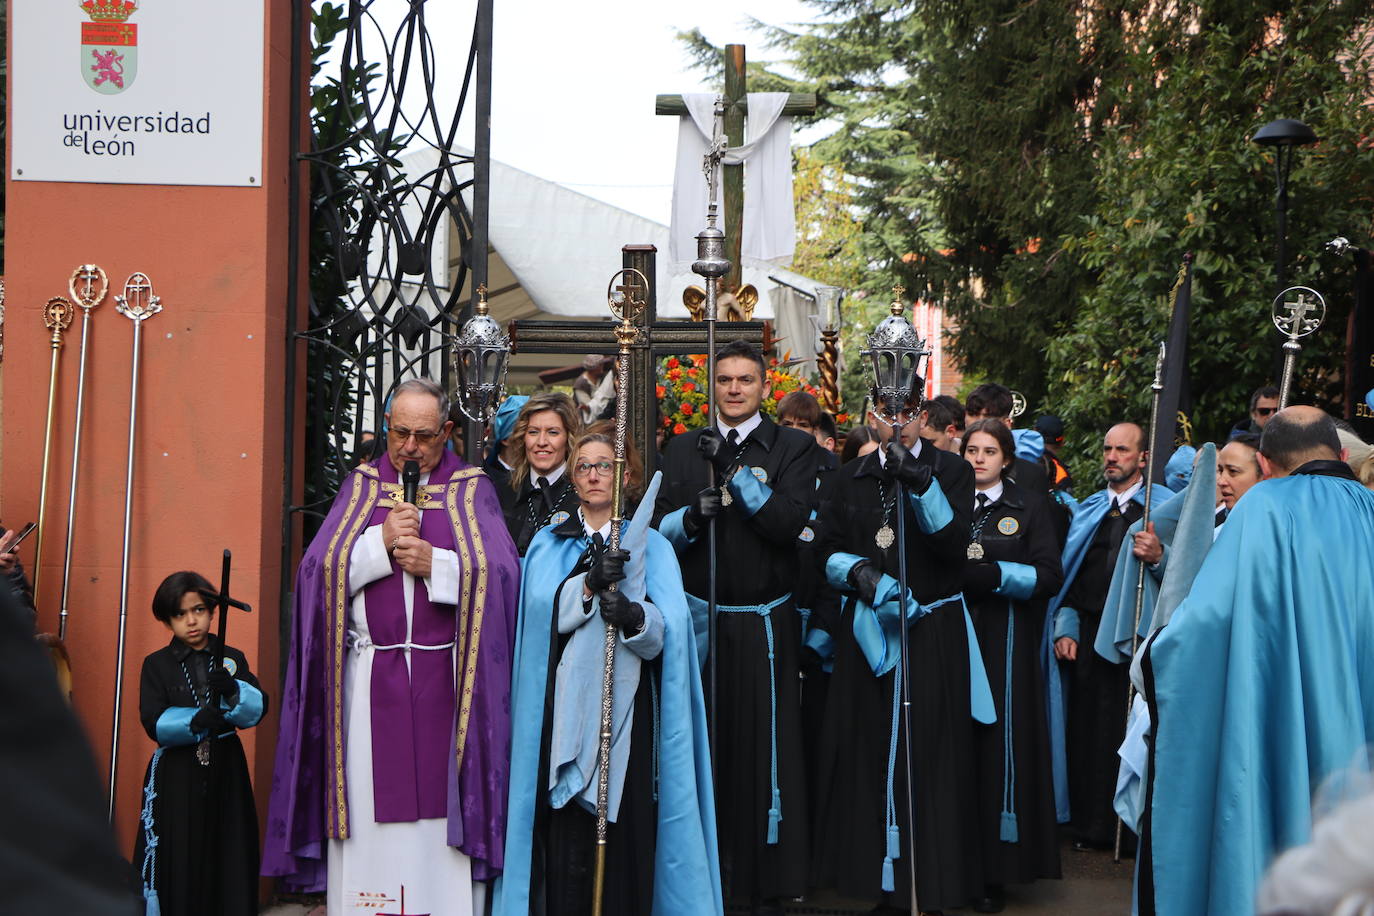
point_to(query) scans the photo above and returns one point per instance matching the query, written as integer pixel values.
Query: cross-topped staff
(138, 304)
(57, 317)
(88, 285)
(626, 301)
(1295, 319)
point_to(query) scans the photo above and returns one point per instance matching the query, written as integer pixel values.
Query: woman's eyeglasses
(602, 468)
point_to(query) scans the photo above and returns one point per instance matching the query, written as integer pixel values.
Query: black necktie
(733, 439)
(543, 484)
(982, 501)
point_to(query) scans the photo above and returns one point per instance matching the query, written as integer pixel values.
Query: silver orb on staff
(895, 354)
(1296, 312)
(626, 295)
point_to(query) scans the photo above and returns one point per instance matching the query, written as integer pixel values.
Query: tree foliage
(1042, 167)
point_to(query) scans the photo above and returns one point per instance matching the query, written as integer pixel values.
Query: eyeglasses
(399, 435)
(1265, 411)
(602, 468)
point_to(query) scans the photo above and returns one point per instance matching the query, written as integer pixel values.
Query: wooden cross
(660, 338)
(736, 107)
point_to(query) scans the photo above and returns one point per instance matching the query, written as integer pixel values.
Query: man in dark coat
(991, 401)
(767, 476)
(863, 829)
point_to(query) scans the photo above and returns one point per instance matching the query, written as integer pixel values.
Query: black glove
(715, 450)
(622, 612)
(222, 684)
(864, 576)
(209, 720)
(706, 505)
(902, 465)
(607, 567)
(982, 576)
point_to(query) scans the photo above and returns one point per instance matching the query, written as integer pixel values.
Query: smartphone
(23, 533)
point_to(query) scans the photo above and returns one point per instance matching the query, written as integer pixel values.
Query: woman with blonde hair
(541, 492)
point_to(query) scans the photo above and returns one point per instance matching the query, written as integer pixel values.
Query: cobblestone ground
(1093, 886)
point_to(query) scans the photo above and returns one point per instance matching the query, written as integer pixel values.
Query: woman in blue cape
(661, 843)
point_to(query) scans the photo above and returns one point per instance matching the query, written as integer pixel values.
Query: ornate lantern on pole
(828, 305)
(1283, 136)
(480, 355)
(895, 352)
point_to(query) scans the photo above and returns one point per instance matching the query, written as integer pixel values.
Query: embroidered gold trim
(393, 493)
(328, 574)
(340, 608)
(478, 604)
(369, 470)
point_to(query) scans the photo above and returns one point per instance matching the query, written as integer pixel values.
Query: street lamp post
(1283, 135)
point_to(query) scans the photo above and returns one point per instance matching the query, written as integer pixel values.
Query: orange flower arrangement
(683, 401)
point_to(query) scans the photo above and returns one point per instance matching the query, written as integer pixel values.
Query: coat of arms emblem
(109, 45)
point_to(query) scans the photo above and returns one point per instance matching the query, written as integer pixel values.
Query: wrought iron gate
(397, 210)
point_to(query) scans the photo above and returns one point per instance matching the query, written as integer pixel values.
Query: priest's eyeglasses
(422, 437)
(602, 468)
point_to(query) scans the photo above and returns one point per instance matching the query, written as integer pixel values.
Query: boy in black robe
(197, 845)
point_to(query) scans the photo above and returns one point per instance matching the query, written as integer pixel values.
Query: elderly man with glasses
(393, 756)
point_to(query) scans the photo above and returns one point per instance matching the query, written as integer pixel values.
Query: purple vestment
(436, 752)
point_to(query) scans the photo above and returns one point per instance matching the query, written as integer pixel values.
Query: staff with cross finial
(626, 301)
(1295, 318)
(138, 304)
(711, 264)
(88, 285)
(57, 317)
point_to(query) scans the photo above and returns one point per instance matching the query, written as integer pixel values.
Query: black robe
(850, 835)
(527, 511)
(1017, 528)
(757, 564)
(1096, 692)
(204, 816)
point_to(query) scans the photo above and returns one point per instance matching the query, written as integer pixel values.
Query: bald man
(1260, 687)
(1085, 735)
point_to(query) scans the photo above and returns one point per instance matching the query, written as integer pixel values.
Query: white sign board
(137, 91)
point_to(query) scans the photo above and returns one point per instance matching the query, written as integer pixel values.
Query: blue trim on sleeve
(749, 490)
(822, 644)
(932, 509)
(174, 726)
(837, 568)
(1066, 624)
(672, 528)
(1018, 580)
(247, 712)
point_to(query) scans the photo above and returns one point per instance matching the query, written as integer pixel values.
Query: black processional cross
(736, 107)
(660, 338)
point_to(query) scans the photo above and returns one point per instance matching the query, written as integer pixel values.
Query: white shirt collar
(915, 451)
(604, 530)
(552, 476)
(744, 428)
(1123, 499)
(993, 493)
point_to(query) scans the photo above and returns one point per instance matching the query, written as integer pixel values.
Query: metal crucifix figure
(1295, 319)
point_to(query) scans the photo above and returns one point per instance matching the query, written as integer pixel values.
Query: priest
(393, 755)
(1259, 686)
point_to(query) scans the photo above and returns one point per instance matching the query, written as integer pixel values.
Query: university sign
(151, 101)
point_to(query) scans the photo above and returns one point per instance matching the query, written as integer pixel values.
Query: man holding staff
(768, 474)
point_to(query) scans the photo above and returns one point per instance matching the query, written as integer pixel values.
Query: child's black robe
(206, 857)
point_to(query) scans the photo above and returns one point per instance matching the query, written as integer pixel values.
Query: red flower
(679, 429)
(692, 372)
(778, 395)
(667, 422)
(673, 363)
(675, 374)
(689, 386)
(660, 391)
(687, 410)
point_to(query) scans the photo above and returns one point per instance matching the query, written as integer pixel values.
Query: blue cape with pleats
(1263, 685)
(686, 863)
(1085, 521)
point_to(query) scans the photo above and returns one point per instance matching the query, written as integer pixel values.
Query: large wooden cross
(662, 338)
(736, 108)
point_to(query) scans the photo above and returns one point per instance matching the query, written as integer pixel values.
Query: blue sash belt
(765, 611)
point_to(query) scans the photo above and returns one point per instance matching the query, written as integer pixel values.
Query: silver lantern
(480, 357)
(895, 353)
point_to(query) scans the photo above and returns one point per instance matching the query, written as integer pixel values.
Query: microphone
(410, 480)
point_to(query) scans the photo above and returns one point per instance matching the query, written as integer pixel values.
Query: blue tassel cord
(149, 870)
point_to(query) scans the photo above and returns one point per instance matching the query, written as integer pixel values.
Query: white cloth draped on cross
(770, 230)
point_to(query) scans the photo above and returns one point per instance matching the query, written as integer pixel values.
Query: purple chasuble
(437, 751)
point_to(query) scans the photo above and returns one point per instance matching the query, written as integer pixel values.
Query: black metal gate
(397, 206)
